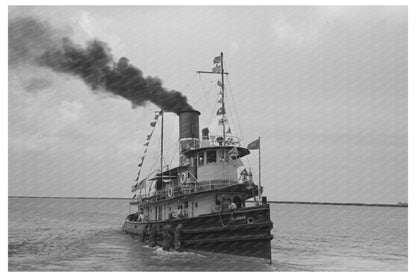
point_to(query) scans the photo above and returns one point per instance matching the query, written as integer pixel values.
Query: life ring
(250, 220)
(170, 191)
(183, 177)
(175, 213)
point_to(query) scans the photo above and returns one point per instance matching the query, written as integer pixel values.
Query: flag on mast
(254, 145)
(223, 120)
(216, 69)
(217, 59)
(221, 111)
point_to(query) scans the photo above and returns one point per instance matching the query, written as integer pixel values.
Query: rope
(211, 109)
(204, 92)
(229, 221)
(238, 121)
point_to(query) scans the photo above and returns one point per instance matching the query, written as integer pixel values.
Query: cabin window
(196, 205)
(211, 157)
(159, 214)
(222, 156)
(201, 159)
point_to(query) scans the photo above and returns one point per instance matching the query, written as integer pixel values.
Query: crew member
(232, 206)
(141, 216)
(217, 207)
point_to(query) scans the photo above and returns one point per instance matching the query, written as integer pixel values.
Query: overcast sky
(324, 87)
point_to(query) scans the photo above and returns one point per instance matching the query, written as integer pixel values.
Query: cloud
(36, 84)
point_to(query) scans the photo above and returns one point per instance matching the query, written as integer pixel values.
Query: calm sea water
(86, 235)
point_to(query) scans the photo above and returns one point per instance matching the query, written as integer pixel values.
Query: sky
(324, 87)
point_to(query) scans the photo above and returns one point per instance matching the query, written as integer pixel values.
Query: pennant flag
(153, 124)
(221, 93)
(134, 196)
(149, 136)
(229, 130)
(221, 111)
(219, 83)
(217, 59)
(140, 164)
(236, 162)
(254, 145)
(244, 172)
(145, 151)
(233, 151)
(216, 69)
(221, 100)
(137, 179)
(234, 158)
(146, 144)
(222, 121)
(156, 116)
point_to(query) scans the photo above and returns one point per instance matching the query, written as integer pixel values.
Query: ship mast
(220, 71)
(223, 96)
(161, 149)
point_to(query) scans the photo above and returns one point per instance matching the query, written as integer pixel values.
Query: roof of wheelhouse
(241, 150)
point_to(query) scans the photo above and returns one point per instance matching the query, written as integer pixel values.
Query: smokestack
(188, 130)
(189, 124)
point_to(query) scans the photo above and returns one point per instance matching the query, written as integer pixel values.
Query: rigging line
(235, 108)
(211, 109)
(189, 82)
(148, 145)
(174, 155)
(154, 163)
(238, 120)
(228, 106)
(203, 91)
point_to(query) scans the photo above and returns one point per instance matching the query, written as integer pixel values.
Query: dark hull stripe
(246, 232)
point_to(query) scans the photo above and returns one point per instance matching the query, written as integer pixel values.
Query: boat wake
(162, 253)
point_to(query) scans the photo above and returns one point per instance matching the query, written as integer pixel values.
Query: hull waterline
(246, 232)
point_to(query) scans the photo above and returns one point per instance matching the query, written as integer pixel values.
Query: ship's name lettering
(238, 217)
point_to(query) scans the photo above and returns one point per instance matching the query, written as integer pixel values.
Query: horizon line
(399, 204)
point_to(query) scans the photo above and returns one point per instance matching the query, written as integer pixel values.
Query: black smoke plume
(94, 64)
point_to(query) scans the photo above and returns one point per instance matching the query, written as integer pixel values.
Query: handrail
(187, 189)
(228, 141)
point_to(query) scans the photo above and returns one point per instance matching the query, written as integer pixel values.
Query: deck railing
(187, 189)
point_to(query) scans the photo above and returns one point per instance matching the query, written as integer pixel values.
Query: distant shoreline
(270, 201)
(338, 204)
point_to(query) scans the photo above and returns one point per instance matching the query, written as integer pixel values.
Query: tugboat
(209, 202)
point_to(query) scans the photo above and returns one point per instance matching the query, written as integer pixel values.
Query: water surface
(85, 235)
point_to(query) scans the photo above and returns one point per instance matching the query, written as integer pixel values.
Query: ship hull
(246, 232)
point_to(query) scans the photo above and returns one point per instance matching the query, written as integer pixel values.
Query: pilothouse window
(201, 159)
(222, 156)
(211, 157)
